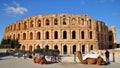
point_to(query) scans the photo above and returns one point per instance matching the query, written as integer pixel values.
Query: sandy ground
(14, 62)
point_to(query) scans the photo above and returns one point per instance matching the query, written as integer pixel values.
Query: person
(107, 55)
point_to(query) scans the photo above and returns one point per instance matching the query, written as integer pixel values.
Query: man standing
(107, 55)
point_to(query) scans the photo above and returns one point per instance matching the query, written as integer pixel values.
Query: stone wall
(68, 33)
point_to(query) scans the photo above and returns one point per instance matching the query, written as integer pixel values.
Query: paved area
(14, 62)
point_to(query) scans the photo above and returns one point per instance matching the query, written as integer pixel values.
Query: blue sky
(104, 10)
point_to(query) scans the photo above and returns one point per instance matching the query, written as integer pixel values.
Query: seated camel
(40, 60)
(99, 60)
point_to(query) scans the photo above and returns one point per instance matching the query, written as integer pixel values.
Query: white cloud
(16, 9)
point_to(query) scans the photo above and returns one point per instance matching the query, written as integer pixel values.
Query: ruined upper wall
(52, 20)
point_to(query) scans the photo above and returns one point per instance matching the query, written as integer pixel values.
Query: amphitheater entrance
(74, 49)
(38, 47)
(30, 48)
(23, 48)
(64, 49)
(56, 47)
(110, 47)
(47, 47)
(83, 49)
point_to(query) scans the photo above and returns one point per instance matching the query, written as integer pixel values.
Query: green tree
(14, 43)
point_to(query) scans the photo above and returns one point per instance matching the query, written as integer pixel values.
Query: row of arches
(65, 48)
(39, 22)
(56, 35)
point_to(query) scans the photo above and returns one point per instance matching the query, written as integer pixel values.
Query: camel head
(79, 55)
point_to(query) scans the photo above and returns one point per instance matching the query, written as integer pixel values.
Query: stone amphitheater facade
(66, 32)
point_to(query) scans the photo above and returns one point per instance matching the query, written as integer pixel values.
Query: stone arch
(31, 24)
(31, 36)
(18, 26)
(38, 35)
(74, 49)
(39, 23)
(91, 47)
(47, 22)
(65, 49)
(91, 35)
(24, 36)
(18, 36)
(13, 36)
(47, 35)
(82, 34)
(14, 26)
(90, 21)
(82, 21)
(30, 48)
(64, 34)
(11, 27)
(83, 49)
(55, 35)
(25, 25)
(56, 47)
(110, 46)
(73, 21)
(55, 21)
(47, 47)
(64, 21)
(73, 35)
(38, 47)
(23, 48)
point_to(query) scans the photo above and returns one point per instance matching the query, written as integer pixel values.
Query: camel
(40, 59)
(99, 60)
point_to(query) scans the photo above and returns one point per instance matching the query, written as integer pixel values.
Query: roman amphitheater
(66, 32)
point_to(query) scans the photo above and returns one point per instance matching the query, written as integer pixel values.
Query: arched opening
(38, 47)
(91, 47)
(64, 35)
(31, 36)
(110, 46)
(55, 35)
(83, 49)
(56, 22)
(47, 47)
(18, 36)
(31, 24)
(14, 36)
(82, 34)
(14, 26)
(64, 21)
(30, 48)
(56, 47)
(82, 21)
(19, 26)
(74, 48)
(38, 35)
(65, 49)
(73, 21)
(90, 23)
(25, 25)
(23, 48)
(24, 36)
(47, 21)
(110, 38)
(47, 35)
(39, 23)
(97, 28)
(73, 34)
(90, 34)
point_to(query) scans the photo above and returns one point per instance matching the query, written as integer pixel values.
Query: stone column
(68, 49)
